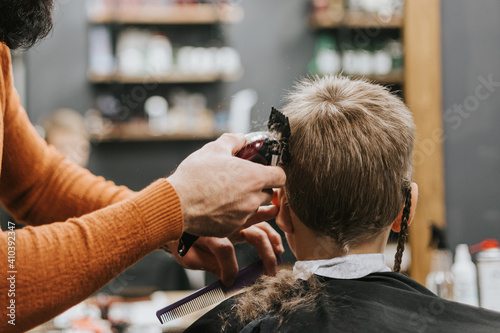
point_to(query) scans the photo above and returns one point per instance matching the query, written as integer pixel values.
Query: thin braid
(403, 235)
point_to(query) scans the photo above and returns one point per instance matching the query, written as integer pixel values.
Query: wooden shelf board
(322, 20)
(170, 14)
(139, 137)
(170, 78)
(389, 78)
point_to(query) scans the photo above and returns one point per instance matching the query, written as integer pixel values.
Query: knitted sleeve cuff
(161, 211)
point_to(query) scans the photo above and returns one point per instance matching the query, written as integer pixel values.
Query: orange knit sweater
(106, 228)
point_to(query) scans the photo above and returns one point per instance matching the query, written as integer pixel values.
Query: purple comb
(211, 294)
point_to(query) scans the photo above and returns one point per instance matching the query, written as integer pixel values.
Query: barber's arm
(37, 184)
(60, 264)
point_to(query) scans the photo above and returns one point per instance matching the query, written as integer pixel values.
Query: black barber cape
(379, 302)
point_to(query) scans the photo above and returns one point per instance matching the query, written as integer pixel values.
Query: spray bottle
(440, 279)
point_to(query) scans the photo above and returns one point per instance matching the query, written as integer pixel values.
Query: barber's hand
(218, 191)
(217, 256)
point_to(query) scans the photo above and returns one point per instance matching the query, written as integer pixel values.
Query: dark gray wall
(276, 45)
(57, 67)
(471, 51)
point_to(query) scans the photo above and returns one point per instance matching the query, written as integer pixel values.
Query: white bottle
(440, 280)
(156, 108)
(241, 109)
(465, 277)
(488, 265)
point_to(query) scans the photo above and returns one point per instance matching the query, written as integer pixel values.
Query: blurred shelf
(170, 78)
(144, 137)
(138, 130)
(170, 14)
(322, 20)
(391, 78)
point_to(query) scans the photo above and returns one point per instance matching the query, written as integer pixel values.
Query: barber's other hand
(217, 256)
(218, 191)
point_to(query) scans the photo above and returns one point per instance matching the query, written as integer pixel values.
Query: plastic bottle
(488, 265)
(440, 279)
(327, 59)
(465, 277)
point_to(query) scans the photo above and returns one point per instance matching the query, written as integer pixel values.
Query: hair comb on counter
(211, 294)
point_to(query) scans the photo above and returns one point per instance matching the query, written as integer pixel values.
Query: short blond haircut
(351, 157)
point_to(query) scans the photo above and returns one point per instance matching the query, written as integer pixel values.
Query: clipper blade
(279, 123)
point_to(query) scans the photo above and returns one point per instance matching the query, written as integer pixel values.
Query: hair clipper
(270, 147)
(267, 148)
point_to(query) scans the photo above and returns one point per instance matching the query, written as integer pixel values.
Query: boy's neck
(309, 245)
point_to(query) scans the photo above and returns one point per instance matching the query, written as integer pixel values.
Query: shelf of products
(324, 19)
(139, 130)
(158, 65)
(391, 78)
(144, 137)
(359, 39)
(166, 14)
(164, 78)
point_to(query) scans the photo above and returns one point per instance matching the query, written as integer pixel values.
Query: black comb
(211, 294)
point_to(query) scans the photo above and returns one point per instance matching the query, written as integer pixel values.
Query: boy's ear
(396, 225)
(284, 219)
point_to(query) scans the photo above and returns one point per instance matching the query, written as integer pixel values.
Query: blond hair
(351, 157)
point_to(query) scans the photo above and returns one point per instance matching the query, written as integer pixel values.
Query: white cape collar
(352, 266)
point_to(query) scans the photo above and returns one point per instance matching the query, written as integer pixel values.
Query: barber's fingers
(199, 256)
(273, 236)
(223, 250)
(264, 213)
(271, 176)
(229, 143)
(266, 197)
(267, 242)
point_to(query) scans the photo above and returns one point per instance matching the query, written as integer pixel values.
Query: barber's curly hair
(24, 22)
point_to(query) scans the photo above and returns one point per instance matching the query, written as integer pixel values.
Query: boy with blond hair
(349, 183)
